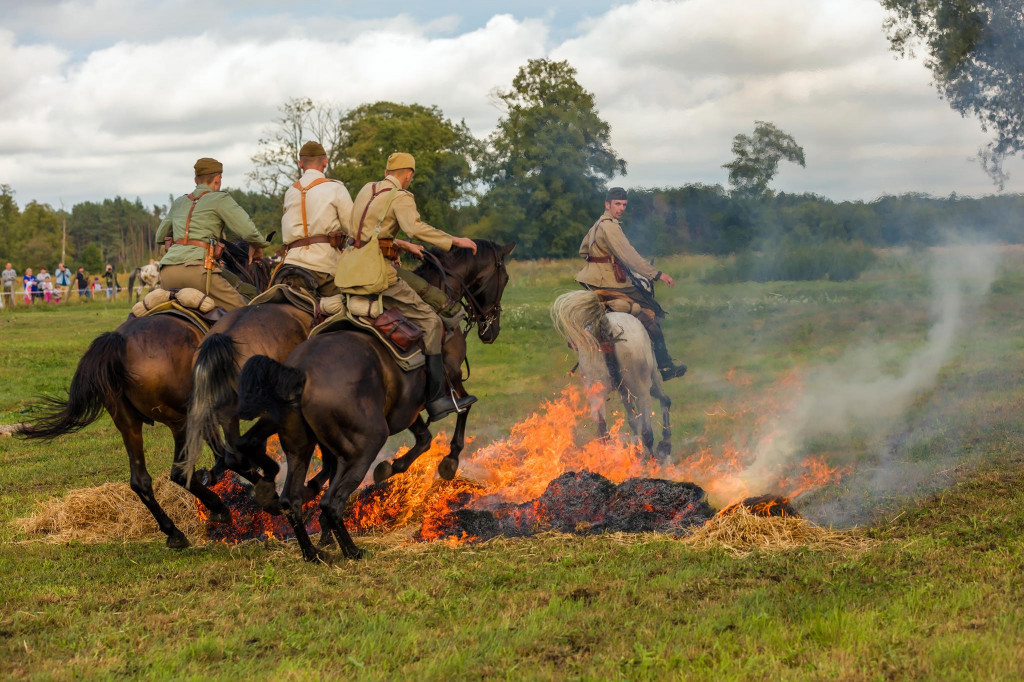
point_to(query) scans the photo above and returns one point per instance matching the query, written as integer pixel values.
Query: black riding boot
(440, 403)
(668, 368)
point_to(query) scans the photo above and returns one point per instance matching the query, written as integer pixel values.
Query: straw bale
(739, 532)
(111, 512)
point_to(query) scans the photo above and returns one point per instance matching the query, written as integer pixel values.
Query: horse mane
(457, 257)
(236, 259)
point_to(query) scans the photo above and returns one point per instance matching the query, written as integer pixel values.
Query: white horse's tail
(579, 317)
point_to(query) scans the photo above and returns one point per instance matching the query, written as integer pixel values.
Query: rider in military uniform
(374, 204)
(610, 260)
(193, 227)
(317, 211)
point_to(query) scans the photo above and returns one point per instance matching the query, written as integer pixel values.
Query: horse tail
(213, 375)
(579, 317)
(99, 382)
(131, 282)
(268, 387)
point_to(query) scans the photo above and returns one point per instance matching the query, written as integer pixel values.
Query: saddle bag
(398, 329)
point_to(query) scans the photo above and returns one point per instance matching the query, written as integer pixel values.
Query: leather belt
(600, 259)
(192, 242)
(306, 241)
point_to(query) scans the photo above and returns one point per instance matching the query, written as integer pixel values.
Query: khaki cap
(312, 149)
(206, 166)
(400, 160)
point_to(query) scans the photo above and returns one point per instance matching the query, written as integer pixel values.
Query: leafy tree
(36, 236)
(548, 162)
(445, 152)
(301, 119)
(9, 213)
(976, 55)
(758, 156)
(92, 258)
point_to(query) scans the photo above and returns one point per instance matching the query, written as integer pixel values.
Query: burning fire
(512, 478)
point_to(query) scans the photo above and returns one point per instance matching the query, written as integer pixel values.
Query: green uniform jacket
(213, 212)
(606, 239)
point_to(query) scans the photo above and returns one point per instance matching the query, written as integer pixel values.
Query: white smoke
(857, 394)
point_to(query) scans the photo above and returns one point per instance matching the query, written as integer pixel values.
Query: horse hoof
(448, 467)
(326, 540)
(353, 553)
(664, 449)
(177, 541)
(383, 472)
(220, 517)
(317, 555)
(265, 493)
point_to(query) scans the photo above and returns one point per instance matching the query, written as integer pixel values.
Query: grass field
(938, 593)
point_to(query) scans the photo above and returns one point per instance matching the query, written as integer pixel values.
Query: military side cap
(615, 194)
(400, 160)
(312, 149)
(206, 166)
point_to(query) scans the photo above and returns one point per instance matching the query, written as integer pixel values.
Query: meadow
(936, 593)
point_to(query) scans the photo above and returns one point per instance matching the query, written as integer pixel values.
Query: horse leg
(130, 427)
(449, 465)
(298, 447)
(315, 485)
(386, 470)
(364, 448)
(665, 444)
(252, 458)
(219, 513)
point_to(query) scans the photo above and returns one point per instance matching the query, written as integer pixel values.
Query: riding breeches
(430, 294)
(401, 296)
(193, 275)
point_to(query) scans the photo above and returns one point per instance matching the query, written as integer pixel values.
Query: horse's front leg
(386, 470)
(449, 465)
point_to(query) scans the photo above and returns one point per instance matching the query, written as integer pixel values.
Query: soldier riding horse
(350, 408)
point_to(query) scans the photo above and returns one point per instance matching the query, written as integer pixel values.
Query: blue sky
(121, 96)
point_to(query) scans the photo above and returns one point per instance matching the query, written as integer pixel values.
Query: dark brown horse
(271, 329)
(140, 373)
(351, 407)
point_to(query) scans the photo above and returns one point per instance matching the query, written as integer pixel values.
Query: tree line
(538, 180)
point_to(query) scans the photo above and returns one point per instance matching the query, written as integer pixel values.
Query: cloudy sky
(107, 97)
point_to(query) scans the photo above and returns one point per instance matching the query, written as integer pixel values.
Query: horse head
(236, 259)
(479, 280)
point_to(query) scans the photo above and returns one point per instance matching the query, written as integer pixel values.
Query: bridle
(476, 314)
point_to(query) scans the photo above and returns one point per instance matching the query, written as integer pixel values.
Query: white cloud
(676, 80)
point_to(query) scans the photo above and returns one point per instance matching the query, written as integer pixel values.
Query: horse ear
(270, 237)
(509, 248)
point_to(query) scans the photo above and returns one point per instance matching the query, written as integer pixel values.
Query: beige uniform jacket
(402, 215)
(328, 209)
(606, 239)
(214, 213)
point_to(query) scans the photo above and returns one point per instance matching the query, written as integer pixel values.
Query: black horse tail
(268, 387)
(213, 376)
(99, 382)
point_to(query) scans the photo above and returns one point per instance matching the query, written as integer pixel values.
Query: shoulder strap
(298, 186)
(195, 200)
(359, 229)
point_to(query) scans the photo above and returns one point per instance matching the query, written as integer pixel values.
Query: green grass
(938, 595)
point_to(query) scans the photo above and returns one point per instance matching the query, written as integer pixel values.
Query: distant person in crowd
(63, 277)
(8, 277)
(41, 279)
(97, 286)
(110, 279)
(82, 282)
(46, 286)
(29, 282)
(205, 214)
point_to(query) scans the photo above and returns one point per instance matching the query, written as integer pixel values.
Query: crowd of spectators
(46, 288)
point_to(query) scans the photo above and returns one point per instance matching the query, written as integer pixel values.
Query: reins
(475, 313)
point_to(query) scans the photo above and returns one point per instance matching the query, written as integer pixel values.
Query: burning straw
(739, 532)
(111, 511)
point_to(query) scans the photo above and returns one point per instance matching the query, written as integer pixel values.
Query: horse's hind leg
(130, 427)
(386, 470)
(248, 453)
(362, 448)
(298, 445)
(219, 513)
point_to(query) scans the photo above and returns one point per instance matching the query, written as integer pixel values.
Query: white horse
(149, 276)
(581, 319)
